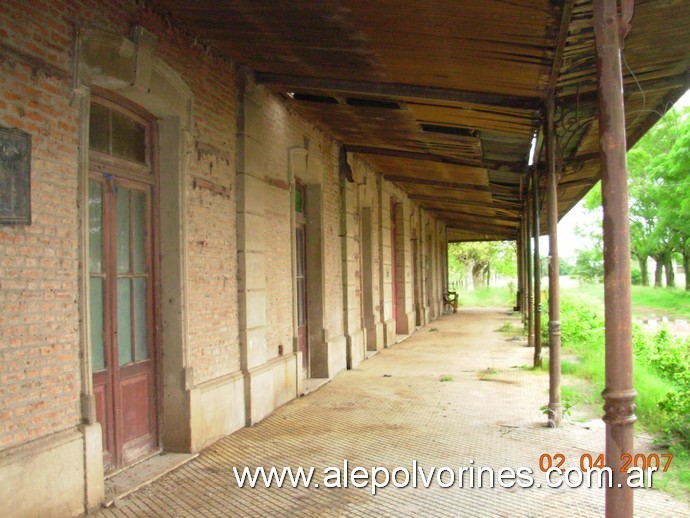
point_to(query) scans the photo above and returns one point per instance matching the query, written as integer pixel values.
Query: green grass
(673, 301)
(583, 338)
(582, 311)
(583, 348)
(488, 297)
(511, 329)
(645, 299)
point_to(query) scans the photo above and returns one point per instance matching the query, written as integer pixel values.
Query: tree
(659, 197)
(589, 262)
(671, 171)
(480, 258)
(650, 235)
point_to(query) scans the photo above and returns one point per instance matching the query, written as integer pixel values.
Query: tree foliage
(589, 262)
(480, 259)
(659, 197)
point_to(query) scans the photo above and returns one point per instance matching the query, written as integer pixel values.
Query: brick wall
(333, 274)
(39, 271)
(211, 218)
(39, 335)
(284, 130)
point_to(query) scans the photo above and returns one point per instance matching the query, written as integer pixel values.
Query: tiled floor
(453, 394)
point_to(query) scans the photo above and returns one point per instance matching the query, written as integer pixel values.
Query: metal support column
(619, 409)
(537, 268)
(525, 273)
(555, 409)
(530, 278)
(518, 254)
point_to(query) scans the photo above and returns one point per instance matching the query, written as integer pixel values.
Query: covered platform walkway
(452, 393)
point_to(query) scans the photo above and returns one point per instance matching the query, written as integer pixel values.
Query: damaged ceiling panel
(444, 97)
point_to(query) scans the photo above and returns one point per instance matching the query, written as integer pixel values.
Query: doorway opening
(394, 262)
(121, 248)
(367, 280)
(301, 275)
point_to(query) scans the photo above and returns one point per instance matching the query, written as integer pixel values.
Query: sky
(568, 241)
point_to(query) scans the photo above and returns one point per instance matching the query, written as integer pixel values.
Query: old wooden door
(301, 274)
(121, 299)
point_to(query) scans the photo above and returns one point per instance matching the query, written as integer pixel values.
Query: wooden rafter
(432, 157)
(499, 204)
(452, 185)
(461, 214)
(394, 90)
(566, 16)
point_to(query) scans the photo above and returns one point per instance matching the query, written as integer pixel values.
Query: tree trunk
(477, 275)
(670, 274)
(686, 267)
(658, 271)
(644, 271)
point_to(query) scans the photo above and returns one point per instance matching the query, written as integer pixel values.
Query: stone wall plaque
(15, 177)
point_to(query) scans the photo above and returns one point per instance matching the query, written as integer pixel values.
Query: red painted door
(301, 280)
(301, 274)
(121, 315)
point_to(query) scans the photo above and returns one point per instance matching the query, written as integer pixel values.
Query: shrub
(661, 368)
(636, 277)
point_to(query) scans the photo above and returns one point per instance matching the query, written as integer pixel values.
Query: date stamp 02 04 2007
(587, 462)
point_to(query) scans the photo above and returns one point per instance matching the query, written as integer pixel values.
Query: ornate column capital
(619, 408)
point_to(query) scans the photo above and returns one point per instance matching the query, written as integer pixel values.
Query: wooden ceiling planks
(480, 68)
(491, 45)
(431, 170)
(656, 60)
(429, 190)
(365, 125)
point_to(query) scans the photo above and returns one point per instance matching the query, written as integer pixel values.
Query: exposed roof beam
(394, 90)
(431, 157)
(669, 99)
(464, 219)
(585, 182)
(561, 40)
(476, 236)
(505, 221)
(468, 203)
(632, 87)
(578, 159)
(566, 15)
(451, 185)
(481, 228)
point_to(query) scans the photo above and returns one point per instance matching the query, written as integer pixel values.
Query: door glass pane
(138, 231)
(122, 230)
(96, 323)
(301, 313)
(129, 138)
(140, 319)
(124, 322)
(99, 128)
(299, 244)
(95, 226)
